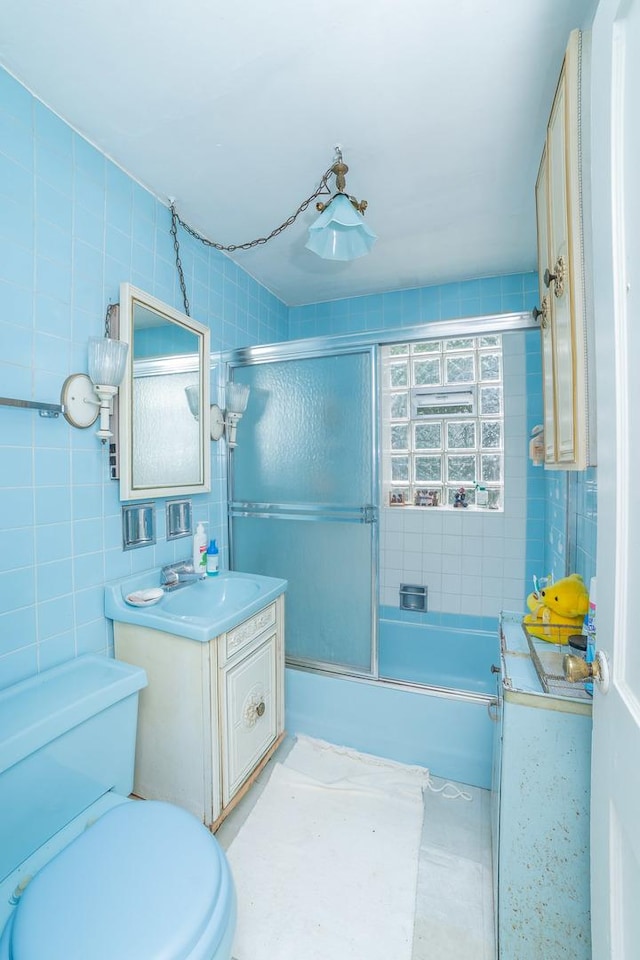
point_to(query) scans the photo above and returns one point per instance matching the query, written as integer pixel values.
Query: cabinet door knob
(494, 668)
(260, 708)
(542, 313)
(559, 276)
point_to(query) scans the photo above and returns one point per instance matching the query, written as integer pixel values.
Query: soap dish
(145, 598)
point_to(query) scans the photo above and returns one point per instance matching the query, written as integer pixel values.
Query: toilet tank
(67, 737)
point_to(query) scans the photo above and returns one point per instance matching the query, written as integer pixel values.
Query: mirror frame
(129, 296)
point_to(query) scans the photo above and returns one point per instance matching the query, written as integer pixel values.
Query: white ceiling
(235, 108)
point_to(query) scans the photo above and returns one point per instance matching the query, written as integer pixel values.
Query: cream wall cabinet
(563, 318)
(212, 712)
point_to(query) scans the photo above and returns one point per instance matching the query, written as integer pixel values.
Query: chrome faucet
(179, 574)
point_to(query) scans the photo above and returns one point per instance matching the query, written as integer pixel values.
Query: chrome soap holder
(138, 529)
(178, 519)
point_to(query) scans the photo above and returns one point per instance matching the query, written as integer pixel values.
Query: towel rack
(45, 409)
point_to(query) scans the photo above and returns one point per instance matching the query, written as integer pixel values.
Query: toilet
(85, 872)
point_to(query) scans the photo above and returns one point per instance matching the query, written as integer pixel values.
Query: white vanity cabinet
(212, 713)
(561, 274)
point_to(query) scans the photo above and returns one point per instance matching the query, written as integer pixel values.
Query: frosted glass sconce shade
(193, 399)
(85, 398)
(237, 397)
(340, 232)
(107, 360)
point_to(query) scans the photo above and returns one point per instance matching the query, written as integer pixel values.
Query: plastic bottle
(591, 631)
(482, 496)
(200, 550)
(213, 556)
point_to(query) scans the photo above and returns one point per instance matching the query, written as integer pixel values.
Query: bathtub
(440, 719)
(438, 650)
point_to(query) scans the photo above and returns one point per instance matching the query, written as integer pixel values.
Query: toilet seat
(145, 881)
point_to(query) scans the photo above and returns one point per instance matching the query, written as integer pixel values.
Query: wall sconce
(237, 396)
(85, 398)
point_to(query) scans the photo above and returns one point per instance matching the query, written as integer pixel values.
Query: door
(302, 495)
(615, 829)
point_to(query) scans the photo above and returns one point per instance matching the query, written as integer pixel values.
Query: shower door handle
(369, 513)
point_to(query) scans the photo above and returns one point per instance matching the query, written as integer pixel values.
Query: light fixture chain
(107, 321)
(176, 246)
(322, 188)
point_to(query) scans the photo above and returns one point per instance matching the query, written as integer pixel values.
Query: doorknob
(576, 669)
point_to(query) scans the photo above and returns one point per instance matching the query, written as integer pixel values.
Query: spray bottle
(200, 550)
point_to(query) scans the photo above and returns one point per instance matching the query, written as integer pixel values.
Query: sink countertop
(201, 610)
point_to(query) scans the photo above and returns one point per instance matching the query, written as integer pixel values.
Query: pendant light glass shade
(107, 360)
(340, 232)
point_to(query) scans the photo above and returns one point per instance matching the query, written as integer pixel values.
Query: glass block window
(427, 461)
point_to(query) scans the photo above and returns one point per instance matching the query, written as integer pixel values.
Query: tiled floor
(454, 903)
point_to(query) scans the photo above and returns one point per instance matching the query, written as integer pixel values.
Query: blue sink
(198, 611)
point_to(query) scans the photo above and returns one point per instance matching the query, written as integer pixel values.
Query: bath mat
(326, 863)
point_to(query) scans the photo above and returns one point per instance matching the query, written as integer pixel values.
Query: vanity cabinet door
(249, 714)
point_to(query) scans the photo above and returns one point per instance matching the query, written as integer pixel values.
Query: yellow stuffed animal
(558, 607)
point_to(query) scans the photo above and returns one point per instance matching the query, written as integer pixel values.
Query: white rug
(326, 863)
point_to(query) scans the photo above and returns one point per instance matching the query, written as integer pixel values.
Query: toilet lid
(141, 883)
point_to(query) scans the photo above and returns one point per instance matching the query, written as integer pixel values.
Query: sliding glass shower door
(302, 501)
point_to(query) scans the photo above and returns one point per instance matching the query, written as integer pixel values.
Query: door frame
(311, 350)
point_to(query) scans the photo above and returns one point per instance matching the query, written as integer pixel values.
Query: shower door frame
(354, 343)
(313, 349)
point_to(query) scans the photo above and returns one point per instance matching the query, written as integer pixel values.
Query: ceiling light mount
(340, 171)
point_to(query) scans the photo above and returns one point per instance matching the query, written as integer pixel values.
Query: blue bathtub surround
(571, 527)
(478, 562)
(450, 735)
(443, 650)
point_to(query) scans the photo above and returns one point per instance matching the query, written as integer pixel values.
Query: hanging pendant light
(340, 232)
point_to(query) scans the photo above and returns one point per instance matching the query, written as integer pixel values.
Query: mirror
(164, 400)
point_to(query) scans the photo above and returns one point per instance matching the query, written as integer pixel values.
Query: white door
(615, 144)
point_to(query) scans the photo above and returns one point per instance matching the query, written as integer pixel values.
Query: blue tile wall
(404, 308)
(73, 227)
(585, 514)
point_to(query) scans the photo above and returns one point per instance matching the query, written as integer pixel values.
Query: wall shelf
(45, 409)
